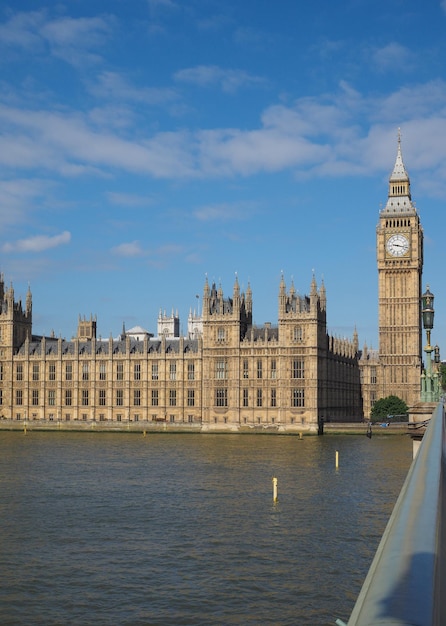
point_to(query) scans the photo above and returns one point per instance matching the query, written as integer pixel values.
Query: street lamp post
(429, 379)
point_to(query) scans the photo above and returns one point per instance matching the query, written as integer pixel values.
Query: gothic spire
(248, 298)
(399, 172)
(29, 300)
(282, 287)
(206, 287)
(323, 296)
(236, 289)
(399, 200)
(313, 291)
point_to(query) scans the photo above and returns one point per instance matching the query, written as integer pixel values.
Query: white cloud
(22, 30)
(130, 249)
(224, 212)
(69, 31)
(64, 143)
(37, 243)
(250, 152)
(113, 86)
(335, 134)
(228, 80)
(129, 199)
(17, 197)
(71, 39)
(393, 57)
(156, 257)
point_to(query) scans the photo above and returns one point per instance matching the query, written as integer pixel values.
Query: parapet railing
(406, 582)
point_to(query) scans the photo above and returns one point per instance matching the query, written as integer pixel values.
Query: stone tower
(15, 322)
(399, 245)
(168, 326)
(226, 321)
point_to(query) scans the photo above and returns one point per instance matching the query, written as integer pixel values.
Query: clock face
(397, 245)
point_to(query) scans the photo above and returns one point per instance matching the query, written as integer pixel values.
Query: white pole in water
(337, 459)
(275, 490)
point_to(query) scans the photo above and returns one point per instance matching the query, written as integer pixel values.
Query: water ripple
(181, 530)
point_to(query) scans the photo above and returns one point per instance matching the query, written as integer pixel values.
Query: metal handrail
(407, 577)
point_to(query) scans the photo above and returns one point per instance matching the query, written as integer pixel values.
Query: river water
(176, 530)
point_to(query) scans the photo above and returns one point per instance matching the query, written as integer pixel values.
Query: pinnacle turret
(313, 291)
(29, 300)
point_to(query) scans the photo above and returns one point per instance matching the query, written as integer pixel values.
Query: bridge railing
(406, 582)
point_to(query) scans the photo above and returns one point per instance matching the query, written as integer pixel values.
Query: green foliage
(392, 405)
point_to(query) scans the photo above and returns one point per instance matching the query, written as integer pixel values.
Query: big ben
(400, 264)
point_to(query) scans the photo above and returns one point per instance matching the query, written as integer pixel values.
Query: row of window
(86, 371)
(297, 369)
(221, 397)
(221, 370)
(297, 334)
(373, 376)
(398, 223)
(102, 397)
(399, 189)
(297, 397)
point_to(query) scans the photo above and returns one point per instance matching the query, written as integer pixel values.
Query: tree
(388, 407)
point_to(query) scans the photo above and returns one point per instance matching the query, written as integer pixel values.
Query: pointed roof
(236, 288)
(137, 330)
(399, 200)
(399, 171)
(313, 291)
(282, 286)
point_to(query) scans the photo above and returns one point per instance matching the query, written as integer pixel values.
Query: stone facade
(233, 376)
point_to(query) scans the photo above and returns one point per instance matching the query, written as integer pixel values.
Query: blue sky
(145, 144)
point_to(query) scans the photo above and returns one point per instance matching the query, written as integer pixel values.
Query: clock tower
(399, 238)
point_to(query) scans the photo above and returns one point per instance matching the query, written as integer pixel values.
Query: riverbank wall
(331, 428)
